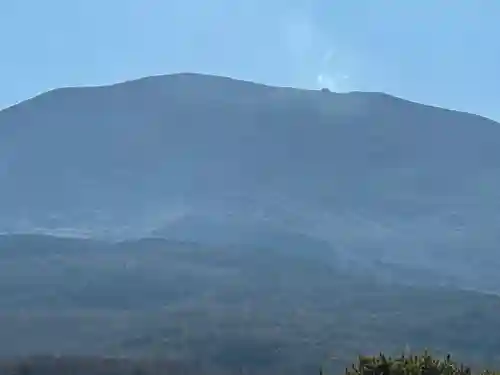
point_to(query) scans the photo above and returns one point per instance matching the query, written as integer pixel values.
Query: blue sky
(441, 52)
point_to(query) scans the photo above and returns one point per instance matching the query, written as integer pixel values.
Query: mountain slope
(222, 308)
(367, 172)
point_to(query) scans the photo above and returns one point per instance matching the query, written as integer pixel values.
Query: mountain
(376, 177)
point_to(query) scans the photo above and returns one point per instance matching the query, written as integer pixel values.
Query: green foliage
(423, 364)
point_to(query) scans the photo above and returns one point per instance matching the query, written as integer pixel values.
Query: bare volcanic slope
(367, 172)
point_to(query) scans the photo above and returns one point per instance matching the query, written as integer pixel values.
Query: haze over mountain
(372, 176)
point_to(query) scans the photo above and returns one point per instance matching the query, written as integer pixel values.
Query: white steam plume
(315, 62)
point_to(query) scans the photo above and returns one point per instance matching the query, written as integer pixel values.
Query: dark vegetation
(54, 365)
(423, 364)
(409, 364)
(224, 310)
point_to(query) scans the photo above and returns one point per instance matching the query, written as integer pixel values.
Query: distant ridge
(190, 77)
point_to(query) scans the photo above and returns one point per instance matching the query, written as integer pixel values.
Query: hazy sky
(443, 52)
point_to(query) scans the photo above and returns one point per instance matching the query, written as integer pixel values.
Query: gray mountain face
(376, 177)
